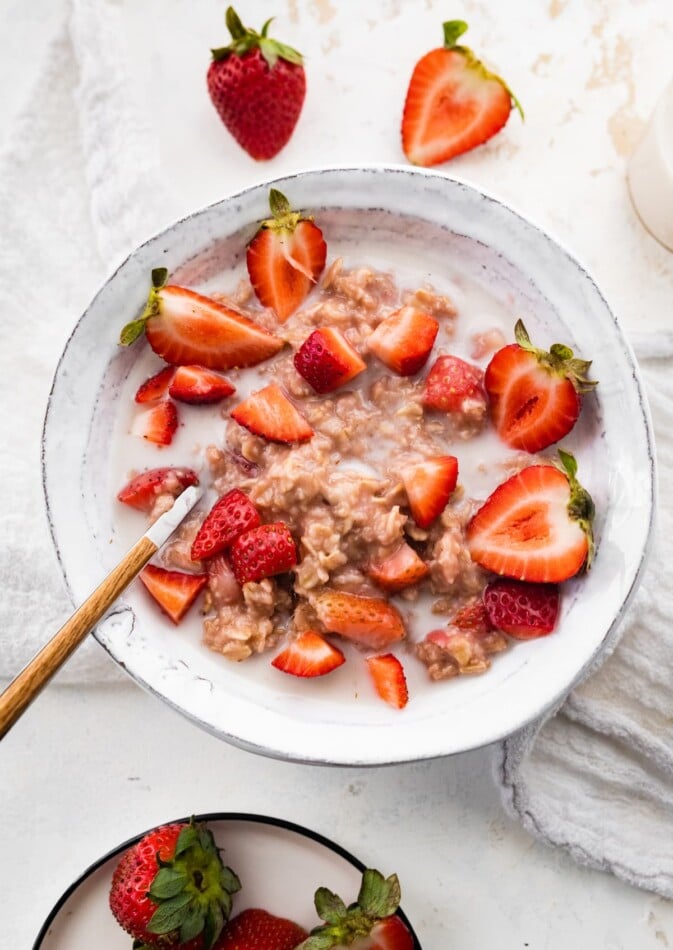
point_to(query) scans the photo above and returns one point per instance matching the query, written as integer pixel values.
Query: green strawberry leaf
(159, 277)
(288, 52)
(453, 30)
(329, 906)
(132, 331)
(379, 897)
(187, 838)
(234, 24)
(278, 203)
(167, 883)
(229, 881)
(269, 51)
(569, 463)
(170, 914)
(192, 925)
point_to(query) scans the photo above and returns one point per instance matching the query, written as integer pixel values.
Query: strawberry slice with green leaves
(157, 424)
(429, 485)
(403, 568)
(326, 360)
(270, 414)
(371, 621)
(453, 102)
(156, 387)
(535, 395)
(404, 340)
(390, 683)
(263, 551)
(536, 526)
(174, 591)
(198, 385)
(523, 611)
(285, 258)
(186, 328)
(309, 655)
(143, 490)
(229, 517)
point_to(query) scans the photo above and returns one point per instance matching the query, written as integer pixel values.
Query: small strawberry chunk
(404, 340)
(389, 680)
(270, 414)
(326, 360)
(472, 616)
(262, 552)
(157, 424)
(174, 591)
(429, 485)
(197, 385)
(156, 387)
(367, 620)
(309, 654)
(229, 517)
(524, 611)
(402, 569)
(143, 490)
(455, 387)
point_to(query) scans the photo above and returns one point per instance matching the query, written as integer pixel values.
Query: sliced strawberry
(229, 517)
(389, 680)
(429, 485)
(174, 591)
(262, 552)
(142, 491)
(197, 384)
(270, 413)
(367, 620)
(524, 611)
(400, 570)
(453, 102)
(326, 360)
(184, 327)
(404, 340)
(472, 616)
(157, 424)
(454, 386)
(535, 396)
(156, 387)
(285, 258)
(536, 526)
(309, 654)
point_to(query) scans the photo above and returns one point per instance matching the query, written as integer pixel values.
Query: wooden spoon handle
(27, 685)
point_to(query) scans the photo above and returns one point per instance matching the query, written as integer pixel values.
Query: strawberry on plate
(174, 591)
(257, 85)
(186, 328)
(143, 490)
(285, 258)
(404, 340)
(309, 654)
(270, 414)
(371, 621)
(171, 888)
(255, 929)
(453, 102)
(157, 424)
(198, 385)
(262, 552)
(429, 485)
(401, 569)
(229, 517)
(156, 387)
(326, 360)
(535, 395)
(536, 526)
(524, 611)
(387, 674)
(454, 386)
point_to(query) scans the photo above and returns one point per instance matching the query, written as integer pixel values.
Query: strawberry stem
(136, 328)
(581, 506)
(453, 30)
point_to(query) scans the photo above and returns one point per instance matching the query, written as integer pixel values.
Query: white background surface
(87, 768)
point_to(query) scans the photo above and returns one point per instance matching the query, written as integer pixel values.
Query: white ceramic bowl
(407, 214)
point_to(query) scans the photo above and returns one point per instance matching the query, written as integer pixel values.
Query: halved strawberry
(197, 385)
(536, 526)
(389, 680)
(454, 386)
(535, 396)
(404, 340)
(270, 413)
(142, 491)
(174, 591)
(429, 485)
(229, 517)
(157, 424)
(402, 569)
(524, 611)
(326, 360)
(184, 327)
(368, 620)
(453, 102)
(285, 258)
(156, 387)
(309, 654)
(262, 552)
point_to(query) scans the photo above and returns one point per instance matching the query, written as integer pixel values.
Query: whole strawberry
(258, 86)
(172, 889)
(256, 929)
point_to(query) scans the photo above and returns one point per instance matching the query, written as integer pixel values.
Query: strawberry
(172, 888)
(536, 526)
(157, 424)
(472, 616)
(262, 552)
(326, 360)
(256, 929)
(524, 611)
(535, 396)
(367, 620)
(454, 386)
(309, 654)
(389, 680)
(229, 517)
(285, 257)
(270, 414)
(401, 569)
(197, 384)
(174, 591)
(429, 485)
(257, 86)
(184, 327)
(156, 387)
(453, 102)
(369, 924)
(404, 340)
(142, 491)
